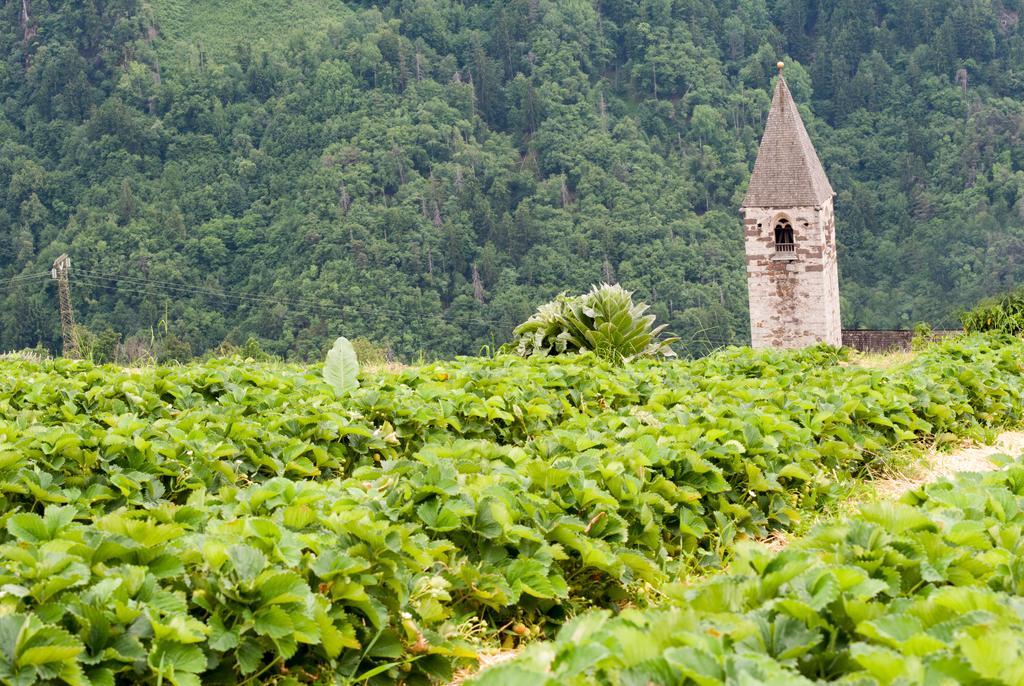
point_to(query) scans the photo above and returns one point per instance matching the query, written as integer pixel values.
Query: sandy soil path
(939, 465)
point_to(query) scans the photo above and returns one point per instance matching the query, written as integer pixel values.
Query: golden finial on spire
(780, 65)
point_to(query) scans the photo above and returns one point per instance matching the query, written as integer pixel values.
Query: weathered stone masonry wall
(833, 322)
(793, 303)
(887, 341)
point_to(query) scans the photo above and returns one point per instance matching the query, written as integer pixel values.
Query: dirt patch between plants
(939, 465)
(934, 466)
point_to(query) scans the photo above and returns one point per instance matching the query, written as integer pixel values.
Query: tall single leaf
(341, 369)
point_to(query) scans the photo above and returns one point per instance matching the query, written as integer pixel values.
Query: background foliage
(1004, 313)
(426, 172)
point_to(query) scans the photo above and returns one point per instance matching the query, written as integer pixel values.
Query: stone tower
(789, 229)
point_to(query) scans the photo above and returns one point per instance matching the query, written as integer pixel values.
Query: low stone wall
(887, 341)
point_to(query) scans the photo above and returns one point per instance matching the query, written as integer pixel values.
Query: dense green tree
(424, 173)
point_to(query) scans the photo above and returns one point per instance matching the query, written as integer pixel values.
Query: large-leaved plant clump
(605, 321)
(1004, 314)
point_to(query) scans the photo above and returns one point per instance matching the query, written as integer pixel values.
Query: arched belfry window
(784, 237)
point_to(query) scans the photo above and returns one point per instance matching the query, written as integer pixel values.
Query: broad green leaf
(996, 655)
(222, 638)
(247, 561)
(273, 622)
(249, 655)
(179, 628)
(168, 657)
(341, 368)
(283, 587)
(28, 527)
(887, 665)
(50, 653)
(531, 577)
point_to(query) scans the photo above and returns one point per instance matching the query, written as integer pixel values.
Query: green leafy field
(925, 591)
(234, 521)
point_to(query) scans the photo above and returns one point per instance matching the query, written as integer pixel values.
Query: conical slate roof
(787, 172)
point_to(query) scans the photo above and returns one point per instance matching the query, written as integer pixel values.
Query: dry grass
(882, 360)
(939, 465)
(894, 478)
(383, 368)
(484, 660)
(27, 355)
(776, 541)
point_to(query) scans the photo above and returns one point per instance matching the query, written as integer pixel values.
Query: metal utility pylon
(61, 272)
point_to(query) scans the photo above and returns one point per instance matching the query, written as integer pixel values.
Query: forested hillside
(425, 172)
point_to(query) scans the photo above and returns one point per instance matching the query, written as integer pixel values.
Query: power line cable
(307, 306)
(222, 292)
(147, 286)
(314, 309)
(25, 278)
(709, 342)
(162, 289)
(127, 286)
(33, 275)
(121, 284)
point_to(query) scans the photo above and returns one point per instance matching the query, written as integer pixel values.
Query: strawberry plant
(927, 590)
(234, 521)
